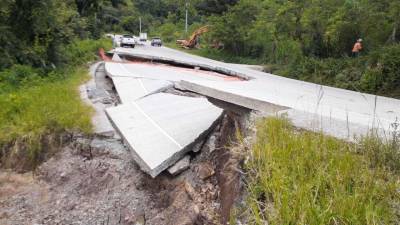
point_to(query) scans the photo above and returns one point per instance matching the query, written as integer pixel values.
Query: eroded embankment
(94, 180)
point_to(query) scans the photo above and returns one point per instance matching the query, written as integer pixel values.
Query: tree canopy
(293, 32)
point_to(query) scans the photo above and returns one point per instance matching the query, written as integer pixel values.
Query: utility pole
(140, 24)
(186, 18)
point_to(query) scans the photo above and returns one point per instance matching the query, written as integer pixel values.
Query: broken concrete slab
(180, 166)
(334, 111)
(157, 71)
(131, 89)
(176, 57)
(241, 93)
(161, 128)
(268, 92)
(116, 58)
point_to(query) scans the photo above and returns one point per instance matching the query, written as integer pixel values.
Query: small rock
(197, 146)
(97, 94)
(82, 143)
(190, 191)
(107, 101)
(180, 166)
(107, 134)
(205, 170)
(211, 143)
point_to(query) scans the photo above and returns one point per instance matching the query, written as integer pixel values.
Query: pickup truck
(128, 40)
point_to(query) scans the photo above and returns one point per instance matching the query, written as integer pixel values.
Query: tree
(209, 7)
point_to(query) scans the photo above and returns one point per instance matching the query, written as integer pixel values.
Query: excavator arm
(192, 41)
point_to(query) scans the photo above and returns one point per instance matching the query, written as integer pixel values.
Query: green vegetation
(307, 40)
(34, 104)
(215, 54)
(312, 40)
(295, 177)
(298, 177)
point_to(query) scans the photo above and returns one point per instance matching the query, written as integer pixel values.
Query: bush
(383, 67)
(168, 32)
(375, 73)
(17, 76)
(80, 51)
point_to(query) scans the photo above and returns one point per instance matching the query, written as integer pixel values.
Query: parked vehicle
(128, 40)
(156, 41)
(143, 37)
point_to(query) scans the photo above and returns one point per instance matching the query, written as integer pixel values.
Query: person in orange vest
(357, 48)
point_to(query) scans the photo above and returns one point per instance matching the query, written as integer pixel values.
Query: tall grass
(308, 178)
(38, 106)
(29, 113)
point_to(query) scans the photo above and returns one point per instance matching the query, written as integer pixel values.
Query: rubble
(180, 166)
(205, 170)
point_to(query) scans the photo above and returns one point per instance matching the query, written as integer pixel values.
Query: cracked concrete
(161, 128)
(310, 106)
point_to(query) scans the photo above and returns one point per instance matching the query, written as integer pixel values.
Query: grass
(308, 178)
(26, 115)
(37, 108)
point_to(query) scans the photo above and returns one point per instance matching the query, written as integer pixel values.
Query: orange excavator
(192, 42)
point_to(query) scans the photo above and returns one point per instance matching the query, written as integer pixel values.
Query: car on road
(128, 40)
(156, 41)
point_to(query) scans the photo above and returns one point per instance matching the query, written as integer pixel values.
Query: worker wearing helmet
(357, 48)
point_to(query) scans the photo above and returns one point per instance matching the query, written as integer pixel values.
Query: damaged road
(95, 179)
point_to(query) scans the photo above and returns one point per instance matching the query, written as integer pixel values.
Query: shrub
(17, 76)
(80, 51)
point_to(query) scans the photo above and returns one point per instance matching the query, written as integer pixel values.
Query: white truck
(143, 37)
(128, 40)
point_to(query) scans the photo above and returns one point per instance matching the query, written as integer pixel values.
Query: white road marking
(157, 126)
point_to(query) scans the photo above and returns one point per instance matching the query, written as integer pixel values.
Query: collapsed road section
(161, 128)
(158, 122)
(337, 112)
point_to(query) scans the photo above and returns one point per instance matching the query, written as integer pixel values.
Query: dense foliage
(35, 32)
(312, 40)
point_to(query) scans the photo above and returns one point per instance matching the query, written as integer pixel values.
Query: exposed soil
(94, 180)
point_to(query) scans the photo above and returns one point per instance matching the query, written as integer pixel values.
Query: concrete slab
(162, 127)
(116, 58)
(341, 113)
(182, 165)
(130, 89)
(306, 103)
(158, 71)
